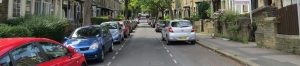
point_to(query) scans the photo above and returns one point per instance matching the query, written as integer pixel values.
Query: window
(245, 8)
(37, 7)
(54, 50)
(181, 24)
(28, 7)
(5, 61)
(28, 55)
(16, 8)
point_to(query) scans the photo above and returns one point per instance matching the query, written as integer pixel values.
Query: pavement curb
(243, 61)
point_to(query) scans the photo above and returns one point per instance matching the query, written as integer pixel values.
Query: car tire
(162, 38)
(101, 59)
(83, 64)
(168, 42)
(111, 49)
(193, 42)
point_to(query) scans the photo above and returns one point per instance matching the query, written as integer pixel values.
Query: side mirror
(66, 38)
(71, 50)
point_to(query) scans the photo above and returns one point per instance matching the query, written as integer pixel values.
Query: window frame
(29, 43)
(49, 59)
(10, 57)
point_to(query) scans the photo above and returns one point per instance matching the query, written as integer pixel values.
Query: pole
(298, 8)
(251, 17)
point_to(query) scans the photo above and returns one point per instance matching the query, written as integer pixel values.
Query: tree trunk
(87, 13)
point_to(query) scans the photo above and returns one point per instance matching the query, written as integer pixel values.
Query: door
(58, 55)
(105, 36)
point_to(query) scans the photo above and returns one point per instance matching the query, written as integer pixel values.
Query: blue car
(116, 31)
(92, 41)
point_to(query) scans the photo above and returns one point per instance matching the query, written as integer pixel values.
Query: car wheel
(162, 38)
(168, 42)
(83, 64)
(193, 42)
(101, 59)
(111, 49)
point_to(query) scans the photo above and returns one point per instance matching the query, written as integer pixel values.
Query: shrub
(119, 18)
(52, 27)
(14, 31)
(99, 20)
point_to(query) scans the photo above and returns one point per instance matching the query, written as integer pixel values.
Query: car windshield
(86, 32)
(112, 25)
(181, 24)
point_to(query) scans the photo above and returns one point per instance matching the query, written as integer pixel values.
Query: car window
(86, 32)
(28, 55)
(5, 61)
(112, 25)
(181, 24)
(54, 50)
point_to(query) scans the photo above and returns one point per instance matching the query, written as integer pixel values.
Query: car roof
(7, 44)
(179, 20)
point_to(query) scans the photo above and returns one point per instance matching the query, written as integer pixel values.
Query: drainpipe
(298, 8)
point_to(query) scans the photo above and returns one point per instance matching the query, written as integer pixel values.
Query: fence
(288, 20)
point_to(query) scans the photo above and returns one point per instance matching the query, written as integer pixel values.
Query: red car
(37, 52)
(126, 27)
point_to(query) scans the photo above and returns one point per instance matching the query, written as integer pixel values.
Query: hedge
(51, 27)
(14, 31)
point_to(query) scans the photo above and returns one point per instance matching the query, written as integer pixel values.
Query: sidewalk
(249, 53)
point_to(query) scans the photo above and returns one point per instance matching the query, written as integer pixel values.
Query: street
(145, 48)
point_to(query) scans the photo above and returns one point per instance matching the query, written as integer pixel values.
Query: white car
(179, 30)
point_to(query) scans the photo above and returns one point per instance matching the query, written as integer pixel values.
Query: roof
(7, 44)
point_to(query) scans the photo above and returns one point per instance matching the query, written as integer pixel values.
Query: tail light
(193, 29)
(170, 29)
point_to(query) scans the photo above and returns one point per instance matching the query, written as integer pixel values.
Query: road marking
(175, 61)
(171, 55)
(120, 49)
(108, 64)
(165, 47)
(114, 57)
(122, 46)
(168, 51)
(117, 53)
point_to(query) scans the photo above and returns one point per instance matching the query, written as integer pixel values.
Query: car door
(108, 39)
(28, 55)
(105, 36)
(58, 55)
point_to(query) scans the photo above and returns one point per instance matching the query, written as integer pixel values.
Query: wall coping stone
(288, 36)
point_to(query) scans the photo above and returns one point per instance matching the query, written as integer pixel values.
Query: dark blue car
(92, 41)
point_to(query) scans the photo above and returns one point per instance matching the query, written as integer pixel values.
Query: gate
(288, 20)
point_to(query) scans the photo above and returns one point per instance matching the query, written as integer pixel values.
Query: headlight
(94, 46)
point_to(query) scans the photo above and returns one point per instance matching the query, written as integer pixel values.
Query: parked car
(179, 30)
(159, 25)
(126, 28)
(92, 41)
(37, 52)
(152, 19)
(153, 22)
(134, 24)
(116, 31)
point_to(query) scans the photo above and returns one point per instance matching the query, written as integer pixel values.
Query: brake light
(170, 29)
(193, 29)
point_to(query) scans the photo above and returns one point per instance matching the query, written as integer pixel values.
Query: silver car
(179, 30)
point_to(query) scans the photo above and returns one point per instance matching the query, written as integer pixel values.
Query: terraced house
(75, 10)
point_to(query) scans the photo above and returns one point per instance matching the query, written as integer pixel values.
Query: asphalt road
(145, 48)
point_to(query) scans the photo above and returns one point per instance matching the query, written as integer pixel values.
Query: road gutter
(243, 61)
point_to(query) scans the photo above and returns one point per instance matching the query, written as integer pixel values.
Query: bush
(14, 31)
(99, 20)
(52, 27)
(119, 18)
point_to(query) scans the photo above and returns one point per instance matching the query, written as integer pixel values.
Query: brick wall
(3, 10)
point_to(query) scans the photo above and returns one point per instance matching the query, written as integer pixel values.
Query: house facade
(18, 8)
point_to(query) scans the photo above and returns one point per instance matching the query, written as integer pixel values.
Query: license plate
(183, 38)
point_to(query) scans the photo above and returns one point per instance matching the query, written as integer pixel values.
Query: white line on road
(122, 46)
(117, 53)
(120, 49)
(171, 55)
(114, 57)
(165, 47)
(168, 51)
(175, 61)
(108, 64)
